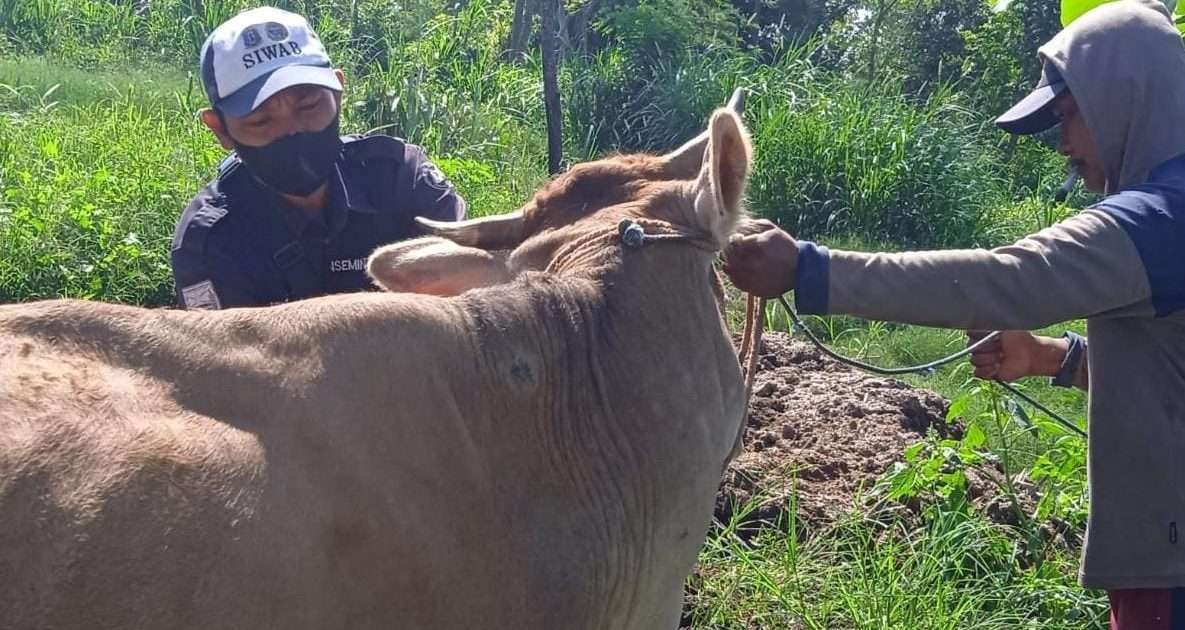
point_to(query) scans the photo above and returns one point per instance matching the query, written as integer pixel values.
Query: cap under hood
(1124, 62)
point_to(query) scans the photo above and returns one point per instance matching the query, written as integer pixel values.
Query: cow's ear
(720, 189)
(435, 266)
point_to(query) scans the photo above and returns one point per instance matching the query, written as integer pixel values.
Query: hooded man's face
(1076, 143)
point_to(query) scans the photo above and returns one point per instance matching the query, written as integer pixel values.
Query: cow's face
(698, 189)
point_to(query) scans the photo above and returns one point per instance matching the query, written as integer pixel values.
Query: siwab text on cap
(269, 52)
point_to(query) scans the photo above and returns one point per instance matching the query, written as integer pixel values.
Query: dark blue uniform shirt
(238, 243)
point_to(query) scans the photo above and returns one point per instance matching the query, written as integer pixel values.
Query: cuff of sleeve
(813, 281)
(1068, 372)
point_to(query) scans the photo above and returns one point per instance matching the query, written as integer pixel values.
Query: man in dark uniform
(296, 209)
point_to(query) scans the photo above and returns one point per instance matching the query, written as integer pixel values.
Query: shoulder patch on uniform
(201, 295)
(228, 166)
(432, 175)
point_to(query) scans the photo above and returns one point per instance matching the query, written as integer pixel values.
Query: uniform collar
(346, 193)
(347, 189)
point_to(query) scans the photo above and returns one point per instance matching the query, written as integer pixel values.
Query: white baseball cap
(259, 52)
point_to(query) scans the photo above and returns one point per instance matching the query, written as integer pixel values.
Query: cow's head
(697, 189)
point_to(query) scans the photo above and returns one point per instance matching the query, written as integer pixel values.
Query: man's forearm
(1085, 266)
(1050, 353)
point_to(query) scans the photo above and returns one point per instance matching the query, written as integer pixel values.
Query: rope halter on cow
(636, 232)
(631, 234)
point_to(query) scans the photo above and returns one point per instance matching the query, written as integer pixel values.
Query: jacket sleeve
(432, 194)
(211, 279)
(1085, 266)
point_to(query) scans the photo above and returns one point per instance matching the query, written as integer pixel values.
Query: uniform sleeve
(1085, 266)
(206, 274)
(432, 195)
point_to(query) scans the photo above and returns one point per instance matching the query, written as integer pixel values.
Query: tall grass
(450, 92)
(89, 194)
(836, 157)
(94, 32)
(957, 572)
(864, 160)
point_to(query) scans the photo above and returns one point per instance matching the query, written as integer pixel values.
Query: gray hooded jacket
(1120, 264)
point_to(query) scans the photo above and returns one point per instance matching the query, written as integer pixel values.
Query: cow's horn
(737, 102)
(501, 231)
(685, 161)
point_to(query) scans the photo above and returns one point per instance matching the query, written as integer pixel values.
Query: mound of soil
(822, 428)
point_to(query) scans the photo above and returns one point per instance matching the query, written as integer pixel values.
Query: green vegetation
(954, 572)
(872, 126)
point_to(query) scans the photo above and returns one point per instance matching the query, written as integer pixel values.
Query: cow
(526, 431)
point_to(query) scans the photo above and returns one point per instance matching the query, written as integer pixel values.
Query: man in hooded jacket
(1115, 82)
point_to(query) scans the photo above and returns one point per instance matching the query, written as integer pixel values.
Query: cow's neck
(625, 374)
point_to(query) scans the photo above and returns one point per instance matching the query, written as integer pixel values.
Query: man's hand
(1016, 354)
(762, 259)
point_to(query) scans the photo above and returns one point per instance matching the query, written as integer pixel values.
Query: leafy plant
(934, 473)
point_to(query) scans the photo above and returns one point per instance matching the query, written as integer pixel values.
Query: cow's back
(153, 475)
(115, 504)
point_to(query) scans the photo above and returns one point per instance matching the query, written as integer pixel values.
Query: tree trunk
(550, 43)
(883, 9)
(520, 29)
(579, 25)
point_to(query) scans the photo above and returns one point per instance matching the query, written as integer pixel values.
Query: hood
(1124, 62)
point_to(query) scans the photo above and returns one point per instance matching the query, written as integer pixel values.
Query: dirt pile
(825, 428)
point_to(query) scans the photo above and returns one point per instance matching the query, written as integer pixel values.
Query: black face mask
(296, 164)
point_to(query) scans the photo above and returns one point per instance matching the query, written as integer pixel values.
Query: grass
(956, 572)
(36, 76)
(93, 173)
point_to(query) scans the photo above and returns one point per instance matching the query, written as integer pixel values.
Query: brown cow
(540, 453)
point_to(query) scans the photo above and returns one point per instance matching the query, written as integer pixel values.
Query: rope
(631, 233)
(594, 242)
(751, 340)
(748, 355)
(1042, 408)
(925, 368)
